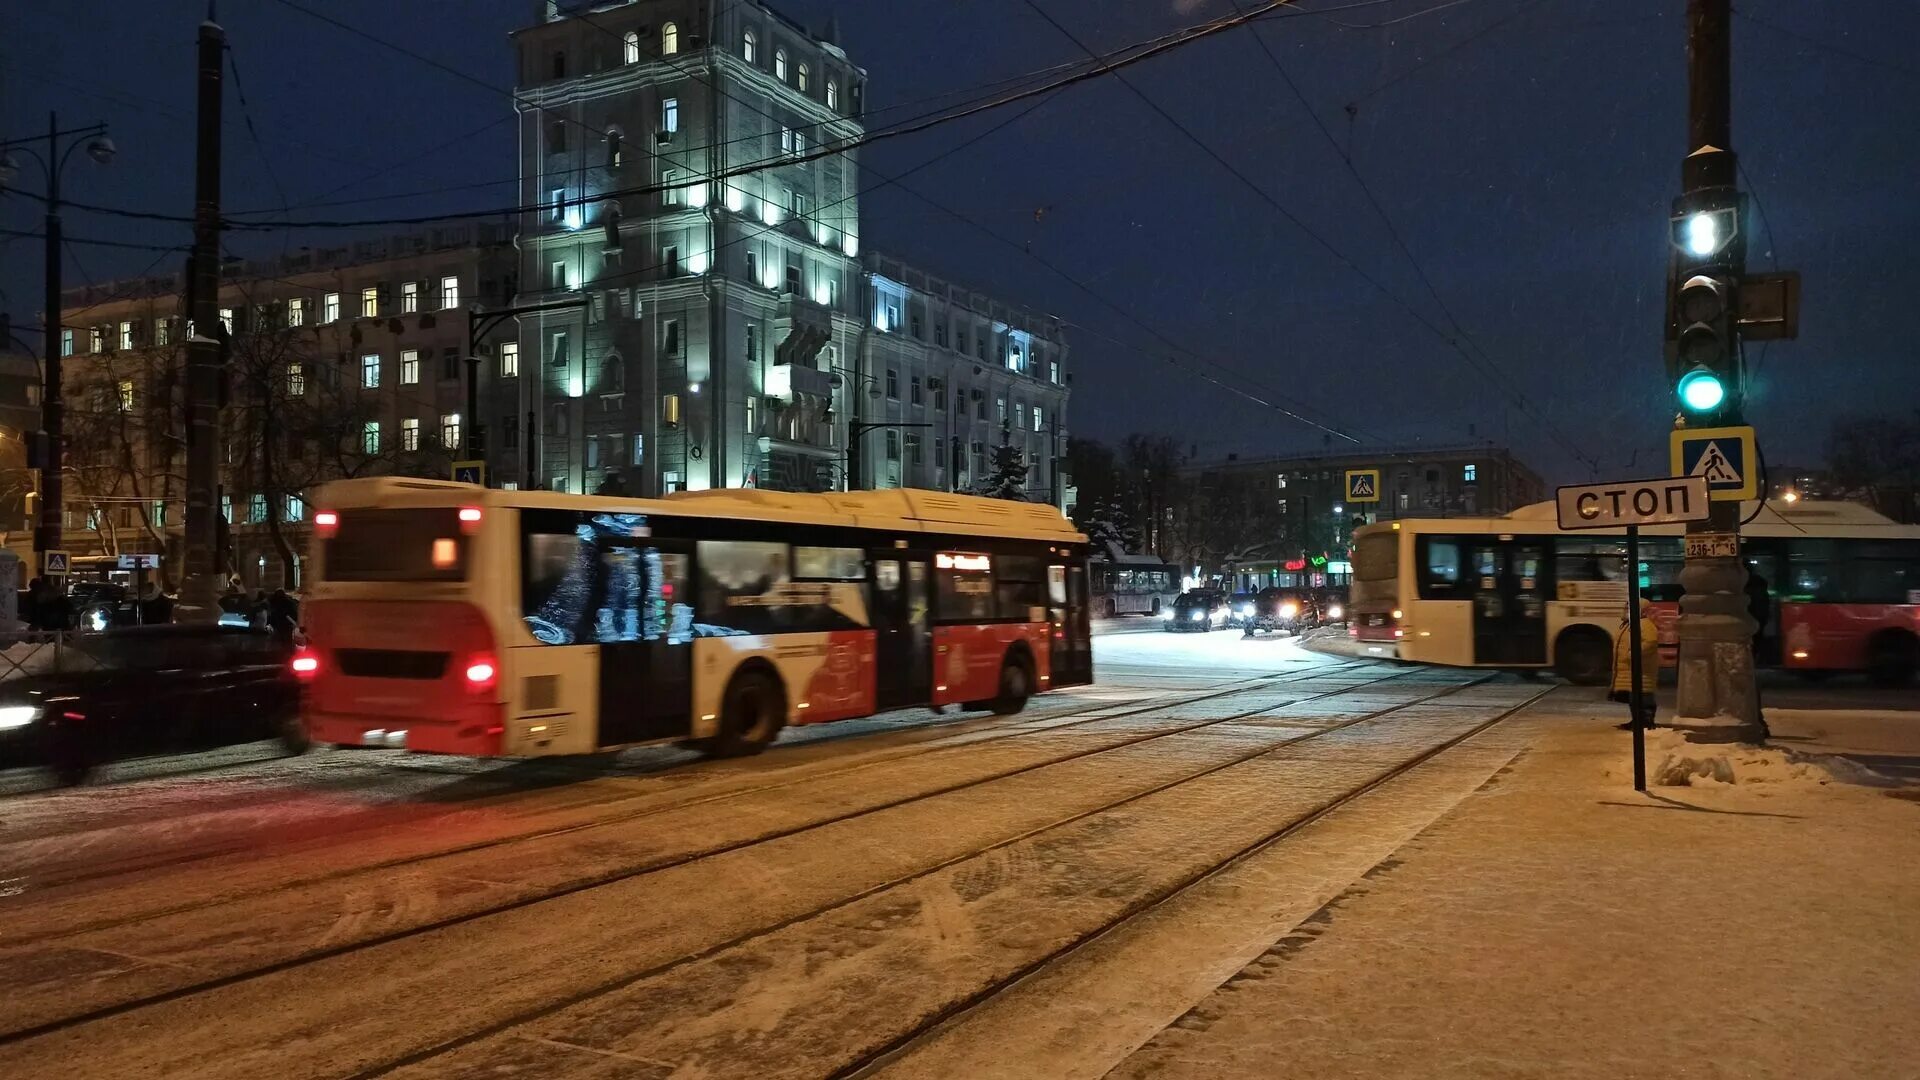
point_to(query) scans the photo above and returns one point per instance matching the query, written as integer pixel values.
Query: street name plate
(1713, 546)
(1665, 501)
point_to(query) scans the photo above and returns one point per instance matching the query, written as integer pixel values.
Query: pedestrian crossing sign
(54, 563)
(1363, 485)
(470, 472)
(1724, 457)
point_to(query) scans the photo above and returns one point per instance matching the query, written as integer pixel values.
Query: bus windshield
(412, 544)
(1376, 558)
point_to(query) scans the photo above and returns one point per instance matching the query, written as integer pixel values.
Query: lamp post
(46, 535)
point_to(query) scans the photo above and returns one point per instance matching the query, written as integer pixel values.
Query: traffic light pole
(200, 585)
(1717, 698)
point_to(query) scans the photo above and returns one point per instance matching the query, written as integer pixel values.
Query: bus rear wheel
(751, 716)
(1892, 658)
(1584, 656)
(1016, 685)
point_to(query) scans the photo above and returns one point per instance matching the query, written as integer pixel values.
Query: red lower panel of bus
(967, 659)
(841, 684)
(1834, 637)
(425, 669)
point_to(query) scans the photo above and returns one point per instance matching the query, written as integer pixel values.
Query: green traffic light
(1701, 390)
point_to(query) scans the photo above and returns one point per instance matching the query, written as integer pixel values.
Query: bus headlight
(18, 716)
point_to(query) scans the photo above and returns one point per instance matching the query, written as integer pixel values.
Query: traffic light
(1703, 350)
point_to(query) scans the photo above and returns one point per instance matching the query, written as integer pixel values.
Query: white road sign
(1667, 501)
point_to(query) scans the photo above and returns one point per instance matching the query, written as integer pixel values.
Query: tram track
(334, 832)
(80, 1018)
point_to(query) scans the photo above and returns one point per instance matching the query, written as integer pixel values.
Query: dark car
(1333, 603)
(100, 605)
(1283, 609)
(1198, 609)
(1240, 608)
(146, 690)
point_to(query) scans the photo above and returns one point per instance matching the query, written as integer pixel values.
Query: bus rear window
(422, 544)
(1376, 558)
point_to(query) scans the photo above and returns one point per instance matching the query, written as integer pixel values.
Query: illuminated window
(126, 395)
(833, 94)
(669, 39)
(1470, 473)
(632, 47)
(750, 47)
(330, 308)
(780, 64)
(557, 205)
(370, 371)
(294, 508)
(804, 75)
(410, 434)
(450, 430)
(1039, 418)
(226, 319)
(370, 437)
(66, 343)
(409, 297)
(369, 303)
(669, 115)
(557, 274)
(96, 340)
(296, 379)
(409, 366)
(126, 335)
(450, 291)
(297, 311)
(257, 509)
(893, 384)
(509, 359)
(162, 331)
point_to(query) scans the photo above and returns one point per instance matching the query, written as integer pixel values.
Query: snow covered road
(892, 893)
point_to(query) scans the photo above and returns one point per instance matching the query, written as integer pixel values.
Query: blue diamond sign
(1724, 457)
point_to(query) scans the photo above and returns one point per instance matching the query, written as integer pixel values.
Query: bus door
(644, 621)
(1510, 591)
(1067, 603)
(1766, 580)
(902, 640)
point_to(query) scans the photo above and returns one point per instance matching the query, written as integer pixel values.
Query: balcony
(802, 329)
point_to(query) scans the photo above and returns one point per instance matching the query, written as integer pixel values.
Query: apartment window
(450, 363)
(296, 379)
(753, 343)
(330, 308)
(226, 509)
(833, 292)
(410, 434)
(370, 437)
(557, 274)
(1470, 473)
(939, 396)
(509, 359)
(802, 206)
(450, 291)
(914, 453)
(409, 297)
(833, 94)
(409, 367)
(1053, 370)
(793, 278)
(980, 346)
(672, 194)
(670, 115)
(556, 137)
(556, 350)
(670, 260)
(893, 317)
(126, 395)
(753, 266)
(450, 430)
(126, 335)
(630, 47)
(257, 509)
(893, 384)
(750, 47)
(940, 332)
(616, 153)
(1039, 419)
(226, 319)
(893, 445)
(557, 205)
(1002, 402)
(804, 78)
(1019, 416)
(670, 338)
(66, 343)
(913, 390)
(162, 331)
(788, 142)
(297, 311)
(979, 405)
(293, 508)
(370, 371)
(960, 338)
(158, 513)
(369, 306)
(559, 65)
(780, 64)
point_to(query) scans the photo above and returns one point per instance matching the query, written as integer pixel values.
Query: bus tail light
(482, 672)
(470, 520)
(326, 523)
(305, 664)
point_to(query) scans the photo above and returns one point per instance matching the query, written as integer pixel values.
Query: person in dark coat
(156, 607)
(54, 609)
(30, 603)
(283, 615)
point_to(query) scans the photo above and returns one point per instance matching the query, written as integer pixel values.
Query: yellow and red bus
(1842, 590)
(456, 619)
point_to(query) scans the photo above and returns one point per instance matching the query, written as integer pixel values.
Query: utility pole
(1717, 699)
(200, 585)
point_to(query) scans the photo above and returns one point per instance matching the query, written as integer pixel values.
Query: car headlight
(1197, 616)
(1246, 609)
(1335, 612)
(18, 716)
(1289, 609)
(97, 619)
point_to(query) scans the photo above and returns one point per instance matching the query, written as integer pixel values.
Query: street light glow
(1703, 234)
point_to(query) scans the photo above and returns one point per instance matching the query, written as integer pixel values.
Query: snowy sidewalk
(1556, 924)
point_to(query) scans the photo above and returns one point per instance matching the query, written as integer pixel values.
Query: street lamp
(46, 536)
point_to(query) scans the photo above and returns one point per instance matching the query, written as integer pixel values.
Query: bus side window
(1811, 562)
(1439, 568)
(963, 595)
(669, 611)
(1880, 572)
(1020, 581)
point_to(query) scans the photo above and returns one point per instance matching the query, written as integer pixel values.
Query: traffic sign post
(1363, 485)
(55, 563)
(1633, 503)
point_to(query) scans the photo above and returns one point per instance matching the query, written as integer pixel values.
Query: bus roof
(893, 510)
(1803, 517)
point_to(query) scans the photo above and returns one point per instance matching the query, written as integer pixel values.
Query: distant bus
(455, 619)
(1133, 585)
(1843, 587)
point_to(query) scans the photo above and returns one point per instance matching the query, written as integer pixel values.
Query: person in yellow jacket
(1649, 665)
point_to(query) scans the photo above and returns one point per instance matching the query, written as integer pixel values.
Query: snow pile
(1683, 764)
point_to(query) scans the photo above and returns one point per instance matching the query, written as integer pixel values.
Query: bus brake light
(326, 523)
(481, 673)
(305, 664)
(469, 519)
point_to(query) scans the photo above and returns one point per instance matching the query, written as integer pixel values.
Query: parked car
(1292, 610)
(1198, 609)
(147, 690)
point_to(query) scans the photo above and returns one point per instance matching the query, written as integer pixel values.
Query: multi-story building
(340, 361)
(727, 334)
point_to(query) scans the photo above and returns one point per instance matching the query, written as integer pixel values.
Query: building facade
(342, 361)
(726, 329)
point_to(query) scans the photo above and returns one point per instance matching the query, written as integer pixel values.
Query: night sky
(1529, 171)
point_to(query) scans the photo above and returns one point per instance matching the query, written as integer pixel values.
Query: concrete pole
(200, 585)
